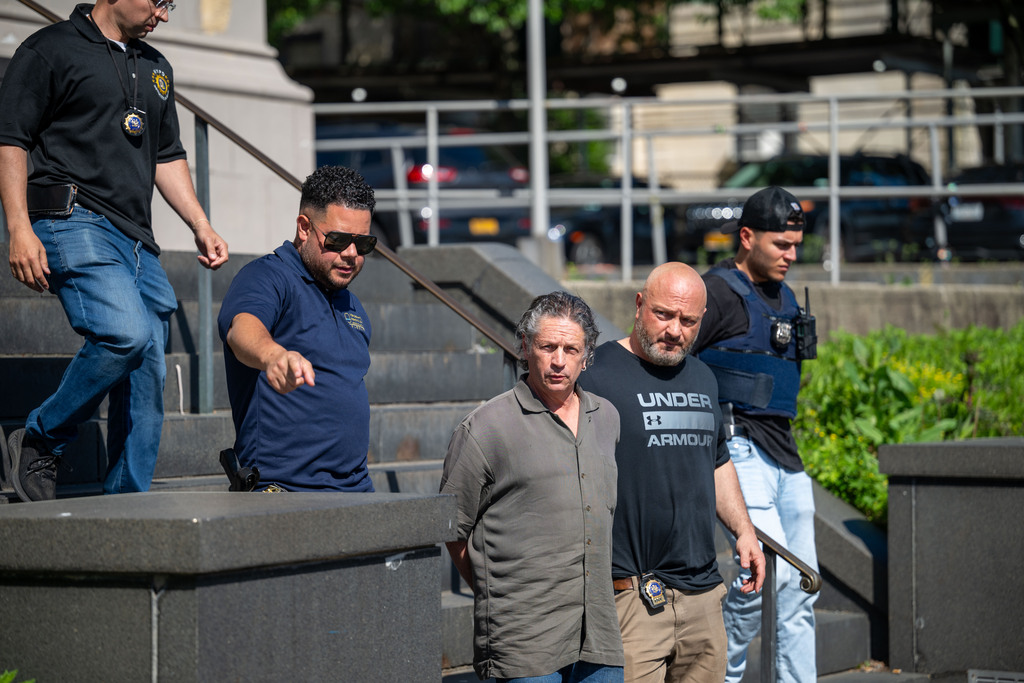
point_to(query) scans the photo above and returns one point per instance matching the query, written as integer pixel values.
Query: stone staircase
(429, 369)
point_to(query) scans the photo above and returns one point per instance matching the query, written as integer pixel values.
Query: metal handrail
(384, 251)
(810, 582)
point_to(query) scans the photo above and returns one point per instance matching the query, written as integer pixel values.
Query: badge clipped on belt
(652, 591)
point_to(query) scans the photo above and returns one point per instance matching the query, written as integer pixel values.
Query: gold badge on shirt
(355, 322)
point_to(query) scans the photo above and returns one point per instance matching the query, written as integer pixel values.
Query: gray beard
(656, 356)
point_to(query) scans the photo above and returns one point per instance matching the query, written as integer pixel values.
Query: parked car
(592, 233)
(986, 227)
(870, 229)
(472, 167)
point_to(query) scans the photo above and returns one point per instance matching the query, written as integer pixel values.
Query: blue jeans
(579, 672)
(780, 503)
(115, 293)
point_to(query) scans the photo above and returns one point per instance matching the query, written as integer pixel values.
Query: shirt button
(588, 541)
(583, 475)
(588, 508)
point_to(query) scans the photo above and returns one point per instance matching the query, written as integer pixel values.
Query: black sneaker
(33, 468)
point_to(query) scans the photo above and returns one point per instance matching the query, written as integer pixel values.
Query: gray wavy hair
(558, 305)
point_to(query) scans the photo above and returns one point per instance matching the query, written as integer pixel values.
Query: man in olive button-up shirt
(534, 472)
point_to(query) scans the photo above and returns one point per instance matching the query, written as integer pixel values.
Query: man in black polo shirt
(87, 129)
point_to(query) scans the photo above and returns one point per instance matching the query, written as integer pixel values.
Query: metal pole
(834, 238)
(657, 210)
(947, 76)
(938, 224)
(998, 138)
(769, 630)
(626, 233)
(433, 199)
(548, 252)
(204, 276)
(402, 188)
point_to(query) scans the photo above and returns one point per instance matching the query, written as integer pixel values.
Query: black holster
(241, 478)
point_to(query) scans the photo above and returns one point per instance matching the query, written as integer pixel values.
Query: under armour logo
(654, 420)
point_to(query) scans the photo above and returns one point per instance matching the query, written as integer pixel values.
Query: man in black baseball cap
(770, 229)
(754, 337)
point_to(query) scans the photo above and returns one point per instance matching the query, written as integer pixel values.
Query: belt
(622, 584)
(732, 430)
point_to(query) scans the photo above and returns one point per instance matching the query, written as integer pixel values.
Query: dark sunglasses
(339, 241)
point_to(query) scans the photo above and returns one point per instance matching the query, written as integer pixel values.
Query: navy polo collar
(290, 256)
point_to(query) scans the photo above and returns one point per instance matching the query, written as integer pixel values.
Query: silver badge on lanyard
(782, 335)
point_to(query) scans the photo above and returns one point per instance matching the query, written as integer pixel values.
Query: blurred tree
(505, 17)
(284, 15)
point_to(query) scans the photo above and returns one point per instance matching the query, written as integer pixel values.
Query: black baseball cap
(772, 209)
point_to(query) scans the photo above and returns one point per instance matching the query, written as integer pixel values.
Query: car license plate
(483, 226)
(970, 212)
(716, 241)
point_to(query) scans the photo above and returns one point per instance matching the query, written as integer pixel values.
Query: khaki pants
(682, 641)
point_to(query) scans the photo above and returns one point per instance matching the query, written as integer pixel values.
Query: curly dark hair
(558, 305)
(329, 185)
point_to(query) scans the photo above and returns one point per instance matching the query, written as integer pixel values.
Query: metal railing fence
(622, 130)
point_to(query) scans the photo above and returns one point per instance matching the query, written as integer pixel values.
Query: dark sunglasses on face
(339, 241)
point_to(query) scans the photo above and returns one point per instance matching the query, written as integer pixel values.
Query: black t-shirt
(62, 100)
(670, 444)
(726, 317)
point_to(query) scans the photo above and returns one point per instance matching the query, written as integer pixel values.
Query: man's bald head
(669, 309)
(675, 276)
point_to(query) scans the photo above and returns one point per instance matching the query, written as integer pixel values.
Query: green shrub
(9, 676)
(889, 387)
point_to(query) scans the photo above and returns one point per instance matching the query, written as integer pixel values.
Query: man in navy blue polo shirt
(296, 345)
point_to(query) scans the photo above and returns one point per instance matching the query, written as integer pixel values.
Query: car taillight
(519, 174)
(1012, 203)
(421, 174)
(807, 205)
(442, 224)
(524, 224)
(919, 203)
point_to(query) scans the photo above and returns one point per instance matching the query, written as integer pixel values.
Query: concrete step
(35, 377)
(457, 630)
(419, 327)
(395, 377)
(841, 643)
(842, 640)
(422, 477)
(36, 324)
(879, 675)
(407, 446)
(465, 674)
(428, 376)
(380, 281)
